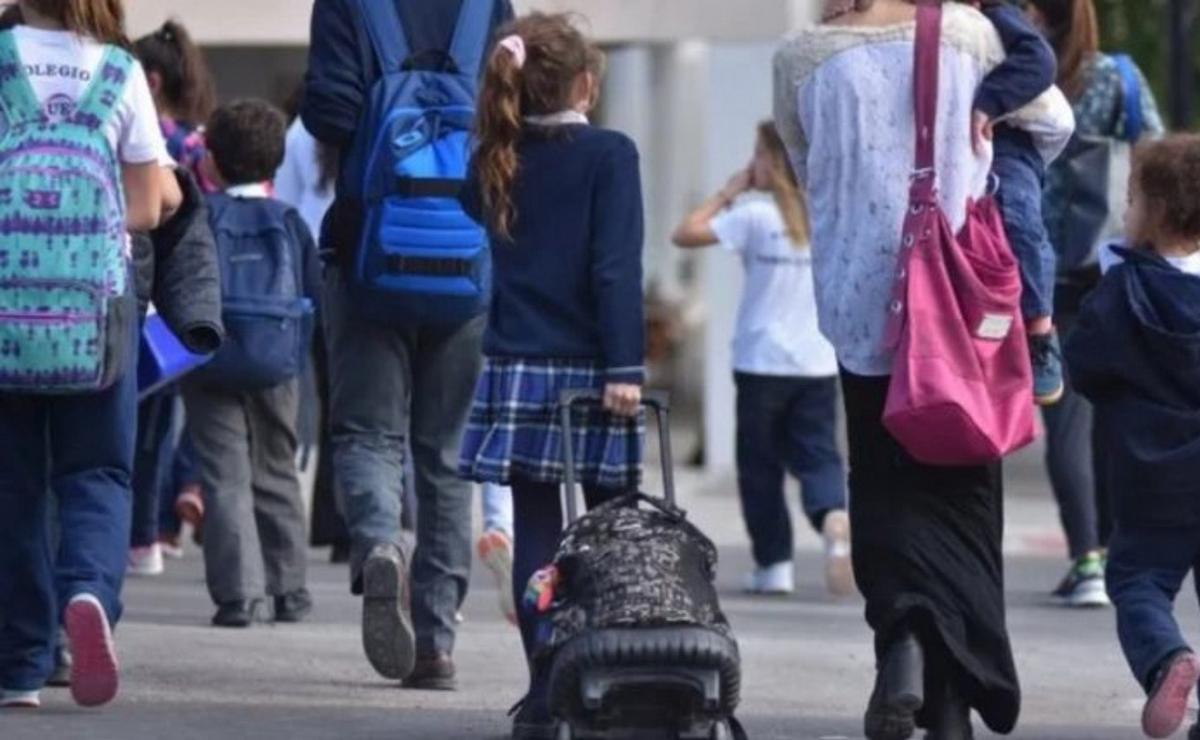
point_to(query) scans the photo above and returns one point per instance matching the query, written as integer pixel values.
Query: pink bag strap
(926, 73)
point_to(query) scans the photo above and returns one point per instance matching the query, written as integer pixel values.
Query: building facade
(688, 80)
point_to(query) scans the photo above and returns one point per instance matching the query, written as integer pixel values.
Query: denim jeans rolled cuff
(1020, 199)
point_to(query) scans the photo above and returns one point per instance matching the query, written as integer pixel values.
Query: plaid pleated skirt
(515, 433)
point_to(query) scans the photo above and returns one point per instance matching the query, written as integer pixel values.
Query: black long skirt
(927, 556)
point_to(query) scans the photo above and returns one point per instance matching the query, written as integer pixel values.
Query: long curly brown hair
(557, 56)
(1167, 172)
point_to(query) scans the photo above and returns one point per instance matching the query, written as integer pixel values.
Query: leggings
(538, 526)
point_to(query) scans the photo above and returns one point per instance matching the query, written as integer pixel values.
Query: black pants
(786, 425)
(1083, 502)
(927, 557)
(538, 526)
(328, 526)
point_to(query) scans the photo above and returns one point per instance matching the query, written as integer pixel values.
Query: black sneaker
(238, 614)
(530, 723)
(1048, 383)
(294, 607)
(387, 631)
(433, 672)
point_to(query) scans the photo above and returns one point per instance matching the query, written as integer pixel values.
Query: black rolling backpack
(638, 646)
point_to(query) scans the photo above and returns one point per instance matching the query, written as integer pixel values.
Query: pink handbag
(961, 390)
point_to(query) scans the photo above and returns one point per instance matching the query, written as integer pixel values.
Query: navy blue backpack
(269, 322)
(422, 260)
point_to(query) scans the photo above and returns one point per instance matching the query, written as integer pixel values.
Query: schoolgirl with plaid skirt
(562, 204)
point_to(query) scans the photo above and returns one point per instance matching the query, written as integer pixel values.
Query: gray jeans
(254, 530)
(394, 389)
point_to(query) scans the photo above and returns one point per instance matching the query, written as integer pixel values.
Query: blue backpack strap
(471, 36)
(1131, 96)
(19, 102)
(386, 29)
(100, 99)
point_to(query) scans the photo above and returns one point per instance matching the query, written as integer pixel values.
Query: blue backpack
(268, 320)
(421, 260)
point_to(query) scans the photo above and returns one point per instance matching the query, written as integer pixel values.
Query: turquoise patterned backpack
(65, 312)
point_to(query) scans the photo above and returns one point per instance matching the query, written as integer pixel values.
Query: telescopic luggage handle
(657, 401)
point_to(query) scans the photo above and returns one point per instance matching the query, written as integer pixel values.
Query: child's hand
(737, 185)
(623, 399)
(982, 131)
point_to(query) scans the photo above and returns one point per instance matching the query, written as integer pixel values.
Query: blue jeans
(1020, 198)
(79, 451)
(1146, 568)
(393, 389)
(786, 425)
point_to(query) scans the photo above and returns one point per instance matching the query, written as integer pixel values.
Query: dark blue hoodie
(1135, 354)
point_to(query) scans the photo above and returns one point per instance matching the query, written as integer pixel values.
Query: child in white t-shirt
(786, 371)
(77, 448)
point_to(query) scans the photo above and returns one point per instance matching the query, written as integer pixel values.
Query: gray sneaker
(387, 630)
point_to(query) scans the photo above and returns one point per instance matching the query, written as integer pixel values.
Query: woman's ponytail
(499, 130)
(187, 84)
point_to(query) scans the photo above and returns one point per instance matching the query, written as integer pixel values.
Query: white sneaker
(146, 561)
(839, 570)
(774, 580)
(172, 549)
(20, 699)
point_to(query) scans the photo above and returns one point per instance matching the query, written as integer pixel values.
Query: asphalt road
(807, 659)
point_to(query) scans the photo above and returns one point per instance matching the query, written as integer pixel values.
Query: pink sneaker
(94, 677)
(1168, 703)
(189, 507)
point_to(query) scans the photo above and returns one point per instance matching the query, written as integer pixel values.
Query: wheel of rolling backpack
(679, 647)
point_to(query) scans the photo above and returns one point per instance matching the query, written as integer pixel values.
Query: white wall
(286, 22)
(738, 96)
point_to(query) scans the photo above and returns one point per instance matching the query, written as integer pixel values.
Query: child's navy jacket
(1136, 355)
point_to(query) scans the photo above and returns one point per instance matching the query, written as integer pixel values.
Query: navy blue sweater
(1028, 70)
(1135, 353)
(342, 69)
(568, 284)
